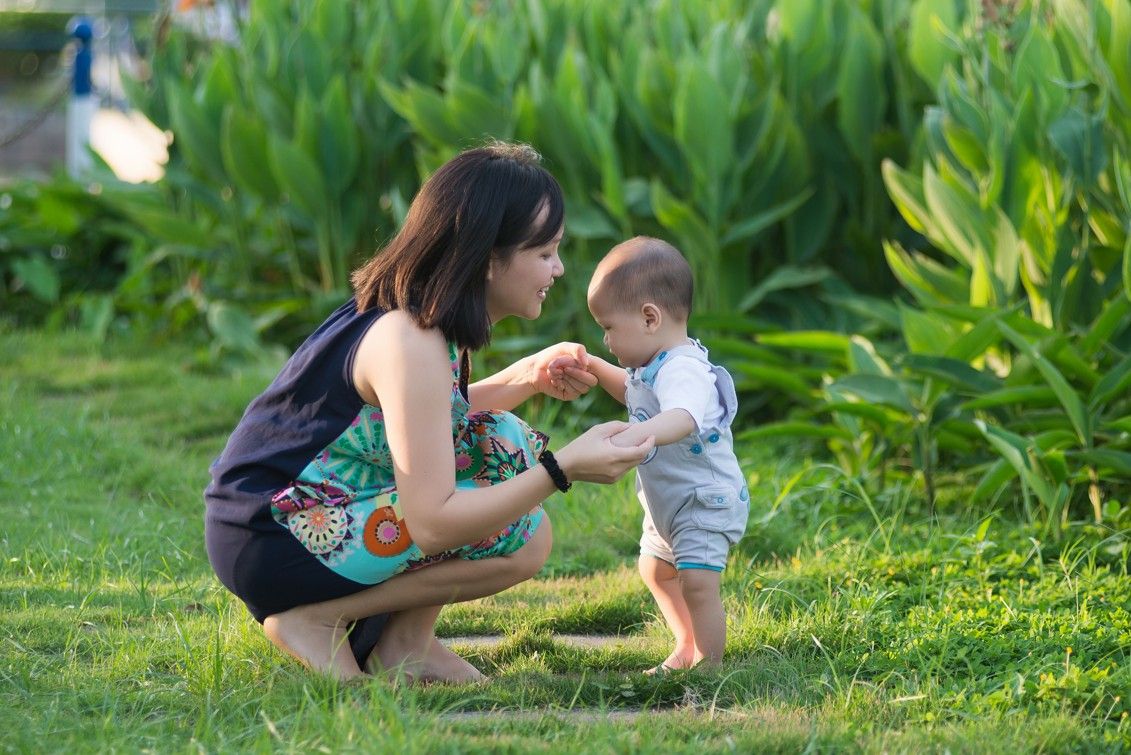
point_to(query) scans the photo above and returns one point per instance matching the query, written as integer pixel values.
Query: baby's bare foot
(317, 644)
(673, 662)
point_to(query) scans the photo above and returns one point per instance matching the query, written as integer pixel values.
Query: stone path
(486, 641)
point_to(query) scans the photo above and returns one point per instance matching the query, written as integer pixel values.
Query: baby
(693, 491)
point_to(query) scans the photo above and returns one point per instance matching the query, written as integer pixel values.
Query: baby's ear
(653, 316)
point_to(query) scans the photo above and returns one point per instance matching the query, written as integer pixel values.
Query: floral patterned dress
(343, 506)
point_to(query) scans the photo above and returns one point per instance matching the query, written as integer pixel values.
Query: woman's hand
(561, 371)
(592, 457)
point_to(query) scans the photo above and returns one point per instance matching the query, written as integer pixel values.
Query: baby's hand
(561, 371)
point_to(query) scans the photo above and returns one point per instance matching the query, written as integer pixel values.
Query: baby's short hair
(645, 269)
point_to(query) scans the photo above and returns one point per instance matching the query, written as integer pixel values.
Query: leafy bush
(748, 132)
(1019, 341)
(64, 251)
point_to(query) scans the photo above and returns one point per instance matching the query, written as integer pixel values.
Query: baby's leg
(700, 590)
(662, 579)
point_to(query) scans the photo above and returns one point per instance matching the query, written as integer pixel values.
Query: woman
(370, 484)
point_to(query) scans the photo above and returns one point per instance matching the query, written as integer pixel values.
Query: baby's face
(626, 332)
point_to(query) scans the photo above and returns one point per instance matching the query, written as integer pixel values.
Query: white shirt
(688, 383)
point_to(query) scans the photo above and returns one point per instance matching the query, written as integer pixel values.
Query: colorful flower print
(321, 529)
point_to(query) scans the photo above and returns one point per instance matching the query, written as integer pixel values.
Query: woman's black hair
(483, 203)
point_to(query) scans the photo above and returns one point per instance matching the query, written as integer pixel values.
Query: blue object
(82, 30)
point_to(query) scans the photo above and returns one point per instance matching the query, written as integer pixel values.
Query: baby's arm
(610, 377)
(667, 427)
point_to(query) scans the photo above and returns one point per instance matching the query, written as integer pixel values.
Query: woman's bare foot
(434, 663)
(316, 644)
(447, 666)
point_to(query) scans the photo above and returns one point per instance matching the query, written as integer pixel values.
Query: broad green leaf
(425, 111)
(956, 218)
(927, 45)
(751, 227)
(1006, 251)
(165, 225)
(332, 23)
(794, 430)
(861, 94)
(975, 342)
(338, 140)
(730, 350)
(1121, 425)
(1015, 450)
(878, 414)
(244, 149)
(1026, 395)
(475, 114)
(906, 191)
(1067, 396)
(703, 130)
(998, 474)
(782, 278)
(983, 291)
(38, 276)
(1079, 138)
(878, 389)
(197, 136)
(1107, 458)
(782, 378)
(681, 219)
(1054, 465)
(1118, 50)
(584, 221)
(808, 340)
(220, 86)
(955, 373)
(926, 332)
(1127, 267)
(1112, 319)
(233, 327)
(862, 358)
(298, 176)
(965, 146)
(1036, 68)
(1115, 382)
(927, 280)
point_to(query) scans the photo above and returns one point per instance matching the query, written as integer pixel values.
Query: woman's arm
(558, 371)
(406, 369)
(610, 377)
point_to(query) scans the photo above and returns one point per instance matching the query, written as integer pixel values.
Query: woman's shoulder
(397, 334)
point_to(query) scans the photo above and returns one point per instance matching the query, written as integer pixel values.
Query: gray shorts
(700, 532)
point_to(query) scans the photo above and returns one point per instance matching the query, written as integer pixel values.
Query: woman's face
(519, 285)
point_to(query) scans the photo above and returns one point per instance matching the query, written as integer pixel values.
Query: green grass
(856, 623)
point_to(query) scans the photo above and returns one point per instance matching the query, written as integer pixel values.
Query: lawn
(856, 622)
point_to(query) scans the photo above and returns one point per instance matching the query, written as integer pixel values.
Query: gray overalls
(693, 491)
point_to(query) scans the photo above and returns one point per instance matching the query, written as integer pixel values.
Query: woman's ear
(652, 315)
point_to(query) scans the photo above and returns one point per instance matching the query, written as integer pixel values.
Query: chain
(37, 119)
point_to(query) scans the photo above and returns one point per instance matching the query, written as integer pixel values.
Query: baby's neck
(673, 336)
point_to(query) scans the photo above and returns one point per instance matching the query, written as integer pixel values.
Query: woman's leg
(315, 634)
